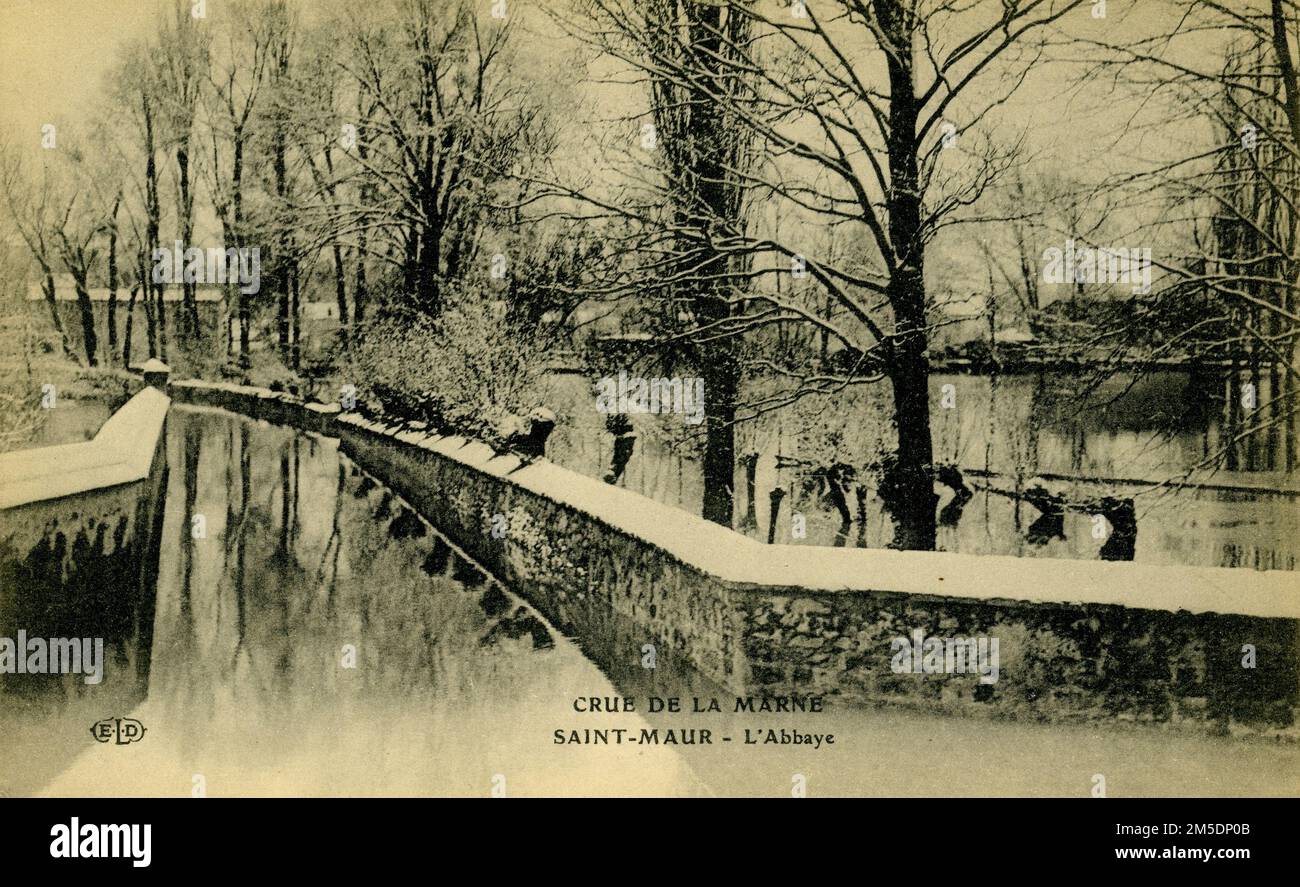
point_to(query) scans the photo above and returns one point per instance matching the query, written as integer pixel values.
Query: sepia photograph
(649, 398)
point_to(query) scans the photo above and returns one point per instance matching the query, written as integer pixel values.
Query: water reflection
(316, 636)
(803, 477)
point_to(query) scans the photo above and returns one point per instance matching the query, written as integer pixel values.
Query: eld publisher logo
(119, 731)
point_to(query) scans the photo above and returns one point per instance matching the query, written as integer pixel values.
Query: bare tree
(134, 96)
(322, 138)
(1239, 191)
(854, 103)
(77, 230)
(442, 124)
(236, 76)
(182, 61)
(704, 156)
(278, 113)
(32, 211)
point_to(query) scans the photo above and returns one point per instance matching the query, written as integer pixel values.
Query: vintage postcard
(686, 398)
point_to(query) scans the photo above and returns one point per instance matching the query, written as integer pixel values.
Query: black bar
(360, 836)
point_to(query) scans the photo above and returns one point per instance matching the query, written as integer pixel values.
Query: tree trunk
(160, 310)
(282, 264)
(130, 325)
(341, 292)
(47, 286)
(1291, 105)
(231, 295)
(708, 182)
(295, 347)
(153, 290)
(1231, 462)
(909, 366)
(89, 339)
(186, 212)
(151, 331)
(112, 285)
(720, 388)
(237, 227)
(281, 259)
(359, 288)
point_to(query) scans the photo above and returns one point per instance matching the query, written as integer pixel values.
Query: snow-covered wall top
(736, 558)
(122, 452)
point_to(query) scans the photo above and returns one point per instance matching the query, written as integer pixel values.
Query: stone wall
(578, 570)
(258, 403)
(1063, 662)
(79, 537)
(734, 618)
(1078, 640)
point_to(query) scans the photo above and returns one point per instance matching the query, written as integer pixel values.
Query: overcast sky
(54, 55)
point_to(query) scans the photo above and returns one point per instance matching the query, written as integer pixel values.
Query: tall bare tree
(854, 103)
(182, 62)
(236, 76)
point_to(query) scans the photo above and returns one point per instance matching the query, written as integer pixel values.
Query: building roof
(64, 291)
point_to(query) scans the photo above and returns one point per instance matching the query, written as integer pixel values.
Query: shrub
(472, 370)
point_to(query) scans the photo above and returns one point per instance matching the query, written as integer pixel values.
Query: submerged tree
(704, 155)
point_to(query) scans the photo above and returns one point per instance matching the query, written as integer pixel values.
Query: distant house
(318, 323)
(211, 303)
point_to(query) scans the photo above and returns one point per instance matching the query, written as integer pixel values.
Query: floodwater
(71, 421)
(313, 636)
(1002, 432)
